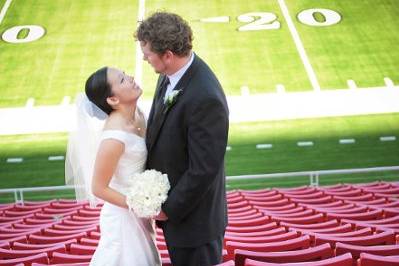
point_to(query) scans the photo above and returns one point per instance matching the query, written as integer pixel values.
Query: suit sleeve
(207, 140)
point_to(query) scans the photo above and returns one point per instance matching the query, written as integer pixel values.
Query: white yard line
(4, 10)
(299, 46)
(138, 75)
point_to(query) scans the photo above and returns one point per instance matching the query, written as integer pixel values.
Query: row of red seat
(307, 223)
(325, 224)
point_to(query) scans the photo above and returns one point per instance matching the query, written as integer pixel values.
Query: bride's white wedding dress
(126, 239)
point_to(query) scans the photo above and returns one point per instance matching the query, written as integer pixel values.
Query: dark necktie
(160, 96)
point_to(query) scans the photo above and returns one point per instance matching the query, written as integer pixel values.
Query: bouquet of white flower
(146, 193)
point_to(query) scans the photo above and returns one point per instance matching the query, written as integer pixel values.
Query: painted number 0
(34, 33)
(268, 21)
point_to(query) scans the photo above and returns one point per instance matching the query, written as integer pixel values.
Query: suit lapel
(158, 120)
(155, 106)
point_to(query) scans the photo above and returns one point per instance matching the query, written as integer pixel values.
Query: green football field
(243, 158)
(82, 36)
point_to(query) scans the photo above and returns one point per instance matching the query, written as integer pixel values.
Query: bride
(100, 161)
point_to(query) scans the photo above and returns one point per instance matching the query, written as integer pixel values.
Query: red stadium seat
(256, 228)
(39, 258)
(313, 195)
(341, 210)
(166, 262)
(355, 250)
(4, 219)
(311, 219)
(227, 263)
(262, 239)
(297, 191)
(272, 232)
(282, 212)
(348, 193)
(13, 254)
(376, 260)
(237, 204)
(9, 236)
(89, 241)
(393, 204)
(277, 203)
(322, 225)
(262, 199)
(50, 210)
(72, 227)
(286, 207)
(356, 233)
(309, 254)
(246, 217)
(30, 207)
(56, 232)
(371, 215)
(62, 264)
(240, 210)
(38, 239)
(68, 221)
(376, 239)
(89, 213)
(319, 200)
(69, 258)
(231, 200)
(301, 242)
(34, 221)
(243, 213)
(339, 229)
(250, 222)
(343, 260)
(26, 246)
(77, 249)
(32, 226)
(19, 213)
(5, 245)
(79, 218)
(259, 194)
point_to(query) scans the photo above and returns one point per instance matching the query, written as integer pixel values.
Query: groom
(186, 139)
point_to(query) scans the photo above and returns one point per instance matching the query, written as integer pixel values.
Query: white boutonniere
(171, 99)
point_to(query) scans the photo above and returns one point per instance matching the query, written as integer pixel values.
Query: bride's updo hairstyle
(98, 89)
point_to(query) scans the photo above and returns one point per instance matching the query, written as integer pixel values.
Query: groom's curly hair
(166, 31)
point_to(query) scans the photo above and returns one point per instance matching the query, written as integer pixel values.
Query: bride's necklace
(133, 125)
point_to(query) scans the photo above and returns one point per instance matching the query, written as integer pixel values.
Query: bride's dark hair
(98, 89)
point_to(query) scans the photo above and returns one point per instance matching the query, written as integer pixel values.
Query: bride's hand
(161, 216)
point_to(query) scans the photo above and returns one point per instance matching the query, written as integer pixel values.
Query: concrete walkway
(259, 107)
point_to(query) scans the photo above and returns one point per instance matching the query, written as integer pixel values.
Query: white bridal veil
(83, 142)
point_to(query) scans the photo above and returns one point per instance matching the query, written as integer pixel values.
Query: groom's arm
(207, 140)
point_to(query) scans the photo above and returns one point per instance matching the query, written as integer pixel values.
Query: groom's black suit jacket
(188, 142)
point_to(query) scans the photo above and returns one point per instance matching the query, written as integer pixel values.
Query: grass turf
(82, 36)
(243, 158)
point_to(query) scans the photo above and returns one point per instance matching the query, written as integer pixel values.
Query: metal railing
(313, 177)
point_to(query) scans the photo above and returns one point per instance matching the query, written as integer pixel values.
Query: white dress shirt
(174, 79)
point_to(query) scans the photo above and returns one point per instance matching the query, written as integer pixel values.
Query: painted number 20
(268, 21)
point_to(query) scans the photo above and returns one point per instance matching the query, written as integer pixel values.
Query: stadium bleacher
(344, 224)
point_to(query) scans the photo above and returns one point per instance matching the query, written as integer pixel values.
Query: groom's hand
(161, 216)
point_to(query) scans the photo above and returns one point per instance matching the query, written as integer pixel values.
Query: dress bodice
(133, 159)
